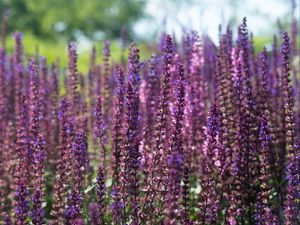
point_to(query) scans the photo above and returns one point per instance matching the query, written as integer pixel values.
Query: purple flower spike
(105, 81)
(157, 170)
(63, 164)
(100, 188)
(175, 160)
(290, 148)
(34, 104)
(37, 213)
(73, 80)
(131, 146)
(22, 206)
(209, 200)
(73, 212)
(265, 202)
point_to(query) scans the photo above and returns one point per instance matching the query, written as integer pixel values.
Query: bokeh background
(48, 25)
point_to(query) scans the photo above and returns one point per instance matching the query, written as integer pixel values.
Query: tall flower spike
(34, 106)
(99, 131)
(276, 117)
(224, 94)
(79, 149)
(37, 141)
(34, 121)
(62, 165)
(44, 91)
(160, 139)
(263, 71)
(21, 208)
(208, 202)
(264, 201)
(195, 107)
(105, 80)
(151, 100)
(3, 89)
(100, 188)
(117, 136)
(3, 130)
(265, 105)
(73, 80)
(131, 146)
(292, 152)
(73, 212)
(21, 192)
(18, 74)
(235, 201)
(288, 114)
(185, 197)
(54, 98)
(286, 131)
(175, 161)
(118, 124)
(249, 128)
(37, 198)
(291, 211)
(92, 80)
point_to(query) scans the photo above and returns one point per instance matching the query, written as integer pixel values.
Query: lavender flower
(264, 202)
(22, 176)
(131, 146)
(62, 165)
(157, 166)
(288, 114)
(185, 197)
(79, 149)
(117, 129)
(100, 188)
(18, 74)
(37, 198)
(151, 103)
(73, 80)
(292, 164)
(34, 117)
(209, 199)
(21, 208)
(105, 80)
(249, 127)
(226, 105)
(175, 161)
(198, 134)
(54, 98)
(3, 129)
(117, 148)
(99, 130)
(73, 211)
(195, 106)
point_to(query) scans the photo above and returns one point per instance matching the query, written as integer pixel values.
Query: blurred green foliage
(48, 25)
(95, 19)
(57, 50)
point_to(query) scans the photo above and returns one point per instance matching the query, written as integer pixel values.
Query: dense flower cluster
(200, 133)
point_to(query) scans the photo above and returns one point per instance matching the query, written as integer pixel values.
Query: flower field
(199, 133)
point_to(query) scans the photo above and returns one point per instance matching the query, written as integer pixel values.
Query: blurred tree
(95, 19)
